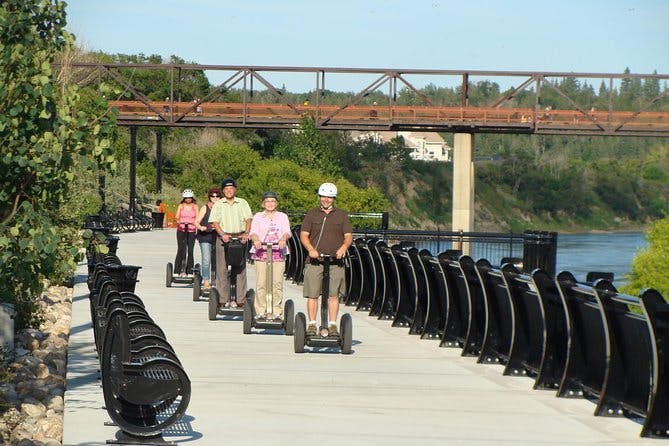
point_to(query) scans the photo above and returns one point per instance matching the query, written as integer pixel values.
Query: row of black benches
(145, 387)
(121, 221)
(579, 339)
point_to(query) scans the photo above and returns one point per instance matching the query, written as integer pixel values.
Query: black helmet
(228, 182)
(270, 194)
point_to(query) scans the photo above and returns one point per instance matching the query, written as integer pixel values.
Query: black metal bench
(406, 303)
(392, 279)
(618, 351)
(146, 389)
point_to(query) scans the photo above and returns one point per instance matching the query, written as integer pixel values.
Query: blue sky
(565, 36)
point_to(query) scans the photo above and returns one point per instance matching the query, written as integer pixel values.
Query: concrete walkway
(395, 389)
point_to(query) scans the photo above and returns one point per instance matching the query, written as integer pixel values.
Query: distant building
(425, 146)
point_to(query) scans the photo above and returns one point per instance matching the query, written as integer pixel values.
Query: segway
(263, 322)
(322, 338)
(235, 256)
(198, 290)
(171, 278)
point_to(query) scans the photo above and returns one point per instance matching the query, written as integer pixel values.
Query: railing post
(539, 251)
(385, 220)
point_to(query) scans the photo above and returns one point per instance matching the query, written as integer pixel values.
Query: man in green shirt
(231, 218)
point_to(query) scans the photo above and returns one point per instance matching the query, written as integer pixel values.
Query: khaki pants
(261, 288)
(313, 280)
(222, 281)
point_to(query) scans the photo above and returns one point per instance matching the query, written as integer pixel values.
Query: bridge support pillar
(133, 169)
(159, 161)
(463, 187)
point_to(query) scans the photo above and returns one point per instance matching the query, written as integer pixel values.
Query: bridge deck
(394, 117)
(252, 389)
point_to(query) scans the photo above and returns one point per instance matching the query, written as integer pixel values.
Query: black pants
(185, 244)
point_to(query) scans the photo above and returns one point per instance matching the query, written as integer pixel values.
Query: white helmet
(327, 190)
(187, 193)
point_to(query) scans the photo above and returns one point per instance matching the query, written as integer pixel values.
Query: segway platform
(252, 320)
(322, 338)
(216, 309)
(285, 323)
(171, 278)
(235, 255)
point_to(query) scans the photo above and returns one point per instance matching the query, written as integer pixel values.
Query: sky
(601, 36)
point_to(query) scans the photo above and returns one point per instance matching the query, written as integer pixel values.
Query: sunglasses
(214, 196)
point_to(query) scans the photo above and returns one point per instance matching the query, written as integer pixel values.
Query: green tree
(47, 130)
(310, 147)
(650, 266)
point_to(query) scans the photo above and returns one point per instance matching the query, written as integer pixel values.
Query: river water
(609, 252)
(581, 253)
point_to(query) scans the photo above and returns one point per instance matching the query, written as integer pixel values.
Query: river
(581, 253)
(610, 252)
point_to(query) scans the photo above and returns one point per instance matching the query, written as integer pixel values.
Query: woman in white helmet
(185, 218)
(325, 230)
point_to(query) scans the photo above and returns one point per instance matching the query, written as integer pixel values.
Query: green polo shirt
(231, 216)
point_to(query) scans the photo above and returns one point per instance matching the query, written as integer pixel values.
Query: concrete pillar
(133, 169)
(159, 161)
(463, 186)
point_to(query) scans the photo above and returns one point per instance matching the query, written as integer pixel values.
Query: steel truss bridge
(468, 115)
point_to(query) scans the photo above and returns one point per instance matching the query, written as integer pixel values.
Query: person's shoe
(206, 285)
(332, 331)
(311, 330)
(226, 304)
(278, 317)
(233, 304)
(182, 275)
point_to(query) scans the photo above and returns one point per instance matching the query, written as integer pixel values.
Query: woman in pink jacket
(267, 226)
(185, 218)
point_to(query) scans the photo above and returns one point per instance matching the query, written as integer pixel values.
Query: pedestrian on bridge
(231, 217)
(325, 230)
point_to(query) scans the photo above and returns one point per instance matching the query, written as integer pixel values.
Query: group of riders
(227, 218)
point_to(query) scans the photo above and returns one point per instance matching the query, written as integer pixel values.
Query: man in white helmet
(325, 230)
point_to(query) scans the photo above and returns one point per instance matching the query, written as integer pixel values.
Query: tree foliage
(47, 130)
(309, 147)
(650, 266)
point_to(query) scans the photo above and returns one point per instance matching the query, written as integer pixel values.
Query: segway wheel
(300, 332)
(289, 317)
(248, 318)
(346, 328)
(169, 272)
(197, 286)
(213, 303)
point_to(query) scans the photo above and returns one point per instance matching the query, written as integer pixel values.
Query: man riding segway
(231, 217)
(326, 230)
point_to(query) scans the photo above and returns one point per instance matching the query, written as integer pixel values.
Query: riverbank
(33, 388)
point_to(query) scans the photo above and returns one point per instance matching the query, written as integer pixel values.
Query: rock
(34, 397)
(55, 403)
(33, 410)
(41, 371)
(48, 428)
